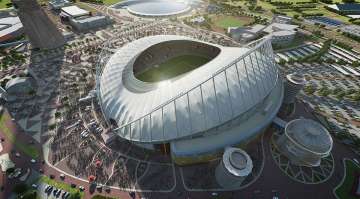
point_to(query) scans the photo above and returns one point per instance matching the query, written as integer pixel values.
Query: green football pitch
(172, 68)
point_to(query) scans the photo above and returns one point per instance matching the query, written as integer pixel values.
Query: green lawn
(3, 3)
(24, 147)
(60, 185)
(172, 67)
(344, 190)
(111, 2)
(228, 21)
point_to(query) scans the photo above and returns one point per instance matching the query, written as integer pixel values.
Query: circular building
(204, 97)
(235, 166)
(305, 142)
(295, 82)
(19, 86)
(154, 8)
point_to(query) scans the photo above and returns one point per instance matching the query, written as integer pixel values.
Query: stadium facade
(226, 102)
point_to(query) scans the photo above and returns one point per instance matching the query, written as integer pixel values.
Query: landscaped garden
(228, 21)
(344, 191)
(220, 23)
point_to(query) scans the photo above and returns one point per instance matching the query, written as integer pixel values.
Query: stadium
(155, 8)
(189, 98)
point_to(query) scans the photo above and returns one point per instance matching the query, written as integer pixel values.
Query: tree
(282, 61)
(30, 195)
(20, 188)
(75, 196)
(57, 114)
(291, 61)
(355, 64)
(341, 62)
(309, 90)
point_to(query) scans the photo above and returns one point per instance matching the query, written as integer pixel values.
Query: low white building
(10, 28)
(73, 12)
(245, 34)
(280, 27)
(81, 20)
(282, 19)
(281, 33)
(87, 23)
(58, 4)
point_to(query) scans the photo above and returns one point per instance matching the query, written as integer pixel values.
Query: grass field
(60, 185)
(228, 21)
(111, 2)
(172, 68)
(23, 147)
(3, 3)
(344, 190)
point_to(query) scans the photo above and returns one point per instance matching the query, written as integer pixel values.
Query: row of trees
(337, 92)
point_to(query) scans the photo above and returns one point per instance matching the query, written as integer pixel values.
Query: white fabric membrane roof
(309, 134)
(191, 103)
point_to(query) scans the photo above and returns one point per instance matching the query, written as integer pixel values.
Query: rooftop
(9, 25)
(237, 162)
(310, 135)
(74, 11)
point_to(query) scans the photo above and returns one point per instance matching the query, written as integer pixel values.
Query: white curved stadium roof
(213, 94)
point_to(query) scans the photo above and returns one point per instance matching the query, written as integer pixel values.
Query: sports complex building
(228, 99)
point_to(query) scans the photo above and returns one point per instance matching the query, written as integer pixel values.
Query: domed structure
(305, 142)
(155, 8)
(230, 98)
(235, 166)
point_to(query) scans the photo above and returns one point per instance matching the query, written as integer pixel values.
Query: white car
(33, 161)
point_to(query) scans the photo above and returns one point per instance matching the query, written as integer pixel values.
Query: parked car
(58, 194)
(55, 192)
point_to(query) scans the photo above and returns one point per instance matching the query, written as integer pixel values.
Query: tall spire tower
(41, 31)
